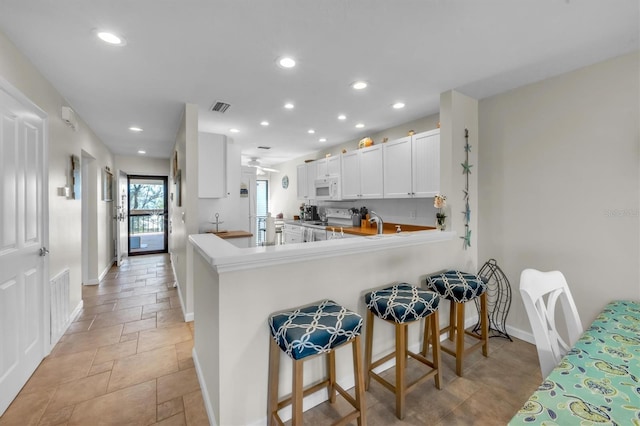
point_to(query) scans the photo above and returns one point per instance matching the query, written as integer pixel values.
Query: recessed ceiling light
(398, 105)
(359, 126)
(234, 130)
(311, 131)
(110, 38)
(135, 129)
(359, 85)
(288, 105)
(264, 123)
(286, 62)
(322, 139)
(142, 151)
(342, 117)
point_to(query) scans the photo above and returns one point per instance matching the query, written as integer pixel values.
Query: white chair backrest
(534, 286)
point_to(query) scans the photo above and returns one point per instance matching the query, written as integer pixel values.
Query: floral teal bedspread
(598, 381)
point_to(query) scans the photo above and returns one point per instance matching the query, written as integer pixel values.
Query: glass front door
(147, 214)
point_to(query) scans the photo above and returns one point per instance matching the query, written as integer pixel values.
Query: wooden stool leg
(296, 396)
(484, 324)
(452, 319)
(274, 369)
(434, 322)
(359, 381)
(331, 371)
(401, 362)
(459, 338)
(425, 339)
(368, 349)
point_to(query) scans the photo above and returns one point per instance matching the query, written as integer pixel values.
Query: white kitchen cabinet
(212, 165)
(328, 167)
(362, 173)
(425, 164)
(301, 182)
(412, 166)
(292, 234)
(306, 176)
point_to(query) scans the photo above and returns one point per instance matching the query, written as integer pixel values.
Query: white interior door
(122, 218)
(24, 315)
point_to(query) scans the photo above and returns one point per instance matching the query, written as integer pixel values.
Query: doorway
(262, 207)
(147, 214)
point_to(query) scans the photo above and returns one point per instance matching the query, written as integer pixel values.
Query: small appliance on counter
(310, 213)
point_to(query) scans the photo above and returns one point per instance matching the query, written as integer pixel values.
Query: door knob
(44, 251)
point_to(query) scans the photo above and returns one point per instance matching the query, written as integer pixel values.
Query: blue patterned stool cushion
(314, 329)
(457, 286)
(402, 303)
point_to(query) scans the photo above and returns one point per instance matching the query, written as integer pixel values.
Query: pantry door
(24, 314)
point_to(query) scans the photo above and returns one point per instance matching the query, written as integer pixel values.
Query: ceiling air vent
(264, 147)
(220, 107)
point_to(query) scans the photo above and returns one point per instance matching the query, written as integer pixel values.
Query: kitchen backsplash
(418, 211)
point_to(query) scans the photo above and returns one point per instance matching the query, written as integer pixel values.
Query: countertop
(231, 234)
(388, 228)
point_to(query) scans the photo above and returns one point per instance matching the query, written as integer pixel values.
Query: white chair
(535, 287)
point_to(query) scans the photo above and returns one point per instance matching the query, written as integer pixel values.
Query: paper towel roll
(271, 229)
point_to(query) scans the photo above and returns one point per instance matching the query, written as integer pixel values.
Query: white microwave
(327, 188)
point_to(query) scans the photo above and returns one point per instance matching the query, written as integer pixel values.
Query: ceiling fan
(254, 162)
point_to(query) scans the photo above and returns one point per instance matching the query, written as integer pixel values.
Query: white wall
(285, 200)
(64, 214)
(141, 165)
(559, 183)
(181, 224)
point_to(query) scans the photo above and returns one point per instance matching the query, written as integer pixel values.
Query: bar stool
(401, 305)
(306, 331)
(458, 288)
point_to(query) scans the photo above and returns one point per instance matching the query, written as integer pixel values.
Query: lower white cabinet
(292, 234)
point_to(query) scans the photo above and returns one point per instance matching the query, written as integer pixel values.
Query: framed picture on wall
(175, 166)
(179, 188)
(107, 185)
(76, 185)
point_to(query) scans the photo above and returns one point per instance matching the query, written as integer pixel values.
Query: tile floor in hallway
(126, 360)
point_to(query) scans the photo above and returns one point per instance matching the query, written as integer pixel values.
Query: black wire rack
(498, 299)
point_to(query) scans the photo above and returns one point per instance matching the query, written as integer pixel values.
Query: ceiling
(203, 51)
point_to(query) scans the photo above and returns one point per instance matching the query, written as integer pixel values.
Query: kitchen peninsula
(235, 291)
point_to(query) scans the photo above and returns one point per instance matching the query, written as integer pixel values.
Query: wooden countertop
(388, 228)
(231, 234)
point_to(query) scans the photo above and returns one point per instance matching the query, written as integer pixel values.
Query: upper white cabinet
(362, 173)
(306, 176)
(397, 168)
(328, 167)
(412, 166)
(212, 165)
(425, 165)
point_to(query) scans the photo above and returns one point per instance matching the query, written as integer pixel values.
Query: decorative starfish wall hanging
(466, 170)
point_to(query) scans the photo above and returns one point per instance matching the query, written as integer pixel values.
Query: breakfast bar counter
(235, 290)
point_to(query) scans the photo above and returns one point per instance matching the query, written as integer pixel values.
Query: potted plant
(440, 202)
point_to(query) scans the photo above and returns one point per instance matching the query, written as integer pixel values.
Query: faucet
(377, 219)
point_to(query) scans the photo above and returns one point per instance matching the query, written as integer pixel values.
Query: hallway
(125, 360)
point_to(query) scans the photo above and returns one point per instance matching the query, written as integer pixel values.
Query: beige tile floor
(126, 360)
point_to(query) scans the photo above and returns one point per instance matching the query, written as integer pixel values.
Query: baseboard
(74, 314)
(107, 269)
(205, 391)
(188, 316)
(522, 335)
(92, 282)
